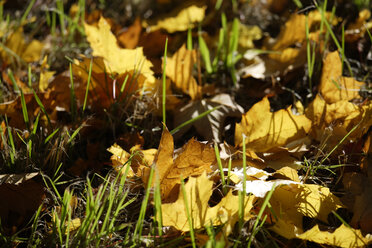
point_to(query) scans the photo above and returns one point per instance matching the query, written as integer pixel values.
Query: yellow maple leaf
(178, 20)
(179, 69)
(294, 29)
(247, 35)
(294, 201)
(290, 44)
(45, 75)
(119, 60)
(29, 52)
(358, 28)
(266, 130)
(340, 117)
(333, 86)
(198, 191)
(139, 160)
(343, 236)
(193, 159)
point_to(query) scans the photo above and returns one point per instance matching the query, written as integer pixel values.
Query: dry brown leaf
(210, 126)
(333, 86)
(12, 110)
(172, 101)
(359, 189)
(22, 195)
(266, 130)
(198, 191)
(104, 89)
(130, 37)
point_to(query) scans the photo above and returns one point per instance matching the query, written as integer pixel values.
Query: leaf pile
(231, 135)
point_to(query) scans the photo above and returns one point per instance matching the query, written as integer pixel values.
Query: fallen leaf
(247, 35)
(292, 202)
(358, 28)
(45, 75)
(333, 86)
(29, 52)
(294, 29)
(180, 19)
(172, 101)
(358, 187)
(210, 126)
(256, 180)
(198, 191)
(130, 37)
(338, 118)
(138, 160)
(105, 89)
(116, 59)
(288, 50)
(192, 160)
(22, 195)
(343, 236)
(179, 68)
(266, 130)
(12, 109)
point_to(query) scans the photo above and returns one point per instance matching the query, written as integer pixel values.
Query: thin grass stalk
(138, 229)
(205, 113)
(27, 11)
(260, 213)
(242, 196)
(164, 86)
(219, 162)
(188, 214)
(88, 83)
(72, 95)
(189, 39)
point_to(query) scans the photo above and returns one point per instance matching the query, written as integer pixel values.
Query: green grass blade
(88, 83)
(24, 16)
(260, 213)
(24, 110)
(341, 141)
(72, 96)
(205, 113)
(217, 152)
(138, 230)
(158, 212)
(189, 39)
(72, 137)
(188, 214)
(243, 194)
(11, 141)
(42, 107)
(164, 86)
(205, 53)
